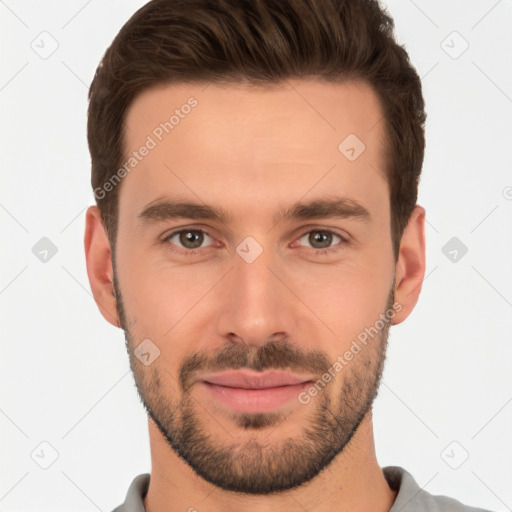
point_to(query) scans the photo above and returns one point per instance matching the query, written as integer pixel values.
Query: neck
(352, 482)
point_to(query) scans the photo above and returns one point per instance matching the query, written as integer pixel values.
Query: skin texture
(254, 151)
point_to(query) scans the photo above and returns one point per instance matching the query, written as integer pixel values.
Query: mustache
(274, 355)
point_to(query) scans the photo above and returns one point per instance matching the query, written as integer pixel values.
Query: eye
(187, 240)
(190, 242)
(322, 240)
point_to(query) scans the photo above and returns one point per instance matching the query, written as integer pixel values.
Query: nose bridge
(257, 307)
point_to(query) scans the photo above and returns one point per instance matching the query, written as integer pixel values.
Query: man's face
(253, 291)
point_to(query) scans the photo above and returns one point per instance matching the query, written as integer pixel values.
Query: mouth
(247, 391)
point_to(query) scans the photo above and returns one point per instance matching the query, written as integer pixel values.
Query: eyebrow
(332, 207)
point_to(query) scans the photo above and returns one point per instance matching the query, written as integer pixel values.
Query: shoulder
(134, 501)
(411, 498)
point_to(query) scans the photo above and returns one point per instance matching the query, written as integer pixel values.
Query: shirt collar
(398, 480)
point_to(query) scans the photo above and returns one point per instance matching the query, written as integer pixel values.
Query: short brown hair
(261, 42)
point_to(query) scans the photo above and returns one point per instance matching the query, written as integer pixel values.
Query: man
(255, 166)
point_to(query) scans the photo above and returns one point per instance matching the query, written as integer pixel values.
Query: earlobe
(410, 267)
(99, 265)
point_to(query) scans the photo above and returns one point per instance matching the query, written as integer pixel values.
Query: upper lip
(254, 380)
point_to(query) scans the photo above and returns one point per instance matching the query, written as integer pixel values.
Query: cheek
(171, 306)
(154, 298)
(346, 299)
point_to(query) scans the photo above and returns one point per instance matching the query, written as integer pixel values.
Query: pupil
(317, 236)
(187, 239)
(195, 238)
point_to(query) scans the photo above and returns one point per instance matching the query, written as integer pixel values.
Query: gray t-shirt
(410, 497)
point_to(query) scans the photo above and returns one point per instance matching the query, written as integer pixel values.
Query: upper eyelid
(320, 231)
(181, 230)
(309, 229)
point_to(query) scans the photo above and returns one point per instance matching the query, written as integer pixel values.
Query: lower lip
(256, 400)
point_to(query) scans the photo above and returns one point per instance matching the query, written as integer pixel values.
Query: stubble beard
(256, 466)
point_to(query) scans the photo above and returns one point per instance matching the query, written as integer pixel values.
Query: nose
(255, 303)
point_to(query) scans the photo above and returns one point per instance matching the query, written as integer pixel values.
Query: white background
(64, 371)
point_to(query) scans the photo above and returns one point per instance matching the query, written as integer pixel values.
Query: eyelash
(199, 252)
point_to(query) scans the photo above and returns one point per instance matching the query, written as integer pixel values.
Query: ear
(410, 267)
(99, 265)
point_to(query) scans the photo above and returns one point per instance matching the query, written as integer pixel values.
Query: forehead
(213, 139)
